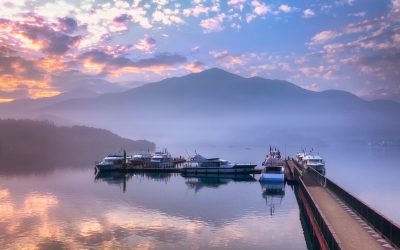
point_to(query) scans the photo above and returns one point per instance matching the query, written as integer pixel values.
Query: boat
(300, 155)
(200, 164)
(274, 170)
(161, 160)
(141, 160)
(113, 162)
(313, 160)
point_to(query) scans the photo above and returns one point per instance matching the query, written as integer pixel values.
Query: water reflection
(121, 178)
(68, 210)
(199, 181)
(273, 193)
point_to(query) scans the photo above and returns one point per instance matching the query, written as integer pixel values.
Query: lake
(71, 208)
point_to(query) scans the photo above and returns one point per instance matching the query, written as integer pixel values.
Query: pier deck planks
(349, 231)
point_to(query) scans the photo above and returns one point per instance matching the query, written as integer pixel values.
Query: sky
(51, 47)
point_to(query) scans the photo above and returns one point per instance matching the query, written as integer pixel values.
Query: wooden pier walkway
(348, 229)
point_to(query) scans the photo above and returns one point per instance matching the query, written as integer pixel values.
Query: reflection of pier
(273, 193)
(198, 181)
(113, 178)
(338, 219)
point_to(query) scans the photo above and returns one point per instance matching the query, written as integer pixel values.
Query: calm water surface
(73, 209)
(371, 173)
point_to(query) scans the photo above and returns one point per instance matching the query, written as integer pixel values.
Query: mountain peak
(216, 73)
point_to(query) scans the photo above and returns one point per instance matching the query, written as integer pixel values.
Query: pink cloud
(146, 44)
(213, 24)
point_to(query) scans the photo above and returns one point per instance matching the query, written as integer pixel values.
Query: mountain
(220, 107)
(46, 146)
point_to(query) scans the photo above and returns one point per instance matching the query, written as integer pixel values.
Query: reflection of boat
(273, 193)
(165, 177)
(161, 160)
(200, 164)
(314, 161)
(112, 162)
(213, 180)
(121, 178)
(273, 167)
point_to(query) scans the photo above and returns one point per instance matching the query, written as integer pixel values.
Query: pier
(338, 219)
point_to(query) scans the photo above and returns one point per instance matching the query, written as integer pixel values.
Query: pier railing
(387, 228)
(326, 230)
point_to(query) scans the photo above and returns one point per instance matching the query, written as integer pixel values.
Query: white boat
(112, 162)
(141, 159)
(300, 155)
(314, 161)
(274, 170)
(200, 164)
(161, 160)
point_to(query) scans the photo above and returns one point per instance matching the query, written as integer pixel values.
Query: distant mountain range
(215, 106)
(34, 146)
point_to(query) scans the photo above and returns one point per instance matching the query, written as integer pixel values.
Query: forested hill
(35, 146)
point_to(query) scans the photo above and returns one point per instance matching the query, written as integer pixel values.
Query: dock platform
(341, 225)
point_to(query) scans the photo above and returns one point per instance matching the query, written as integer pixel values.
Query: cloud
(213, 24)
(146, 44)
(260, 8)
(195, 66)
(10, 95)
(320, 72)
(324, 36)
(100, 20)
(359, 14)
(286, 8)
(307, 13)
(161, 59)
(238, 4)
(196, 11)
(161, 2)
(195, 49)
(383, 65)
(21, 77)
(167, 16)
(228, 60)
(124, 18)
(102, 63)
(37, 35)
(68, 24)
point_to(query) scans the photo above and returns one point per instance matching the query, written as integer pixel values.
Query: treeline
(34, 146)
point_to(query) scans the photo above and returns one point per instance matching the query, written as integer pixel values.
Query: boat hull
(271, 177)
(105, 168)
(318, 168)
